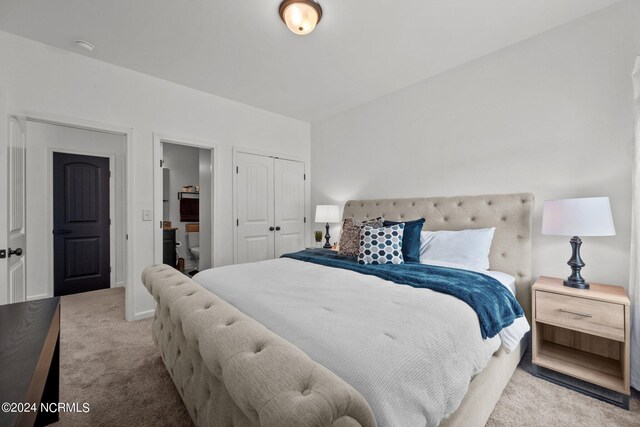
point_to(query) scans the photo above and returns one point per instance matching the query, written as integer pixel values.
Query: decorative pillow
(381, 245)
(465, 247)
(350, 237)
(410, 238)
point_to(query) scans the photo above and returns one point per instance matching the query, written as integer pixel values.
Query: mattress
(410, 352)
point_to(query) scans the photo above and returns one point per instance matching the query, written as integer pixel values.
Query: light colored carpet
(113, 365)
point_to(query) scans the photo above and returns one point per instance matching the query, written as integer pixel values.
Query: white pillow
(465, 247)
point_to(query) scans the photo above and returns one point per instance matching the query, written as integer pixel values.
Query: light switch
(146, 215)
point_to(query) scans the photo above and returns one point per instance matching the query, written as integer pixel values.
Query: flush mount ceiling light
(301, 16)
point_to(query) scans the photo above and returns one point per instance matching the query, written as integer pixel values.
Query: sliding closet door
(289, 206)
(255, 201)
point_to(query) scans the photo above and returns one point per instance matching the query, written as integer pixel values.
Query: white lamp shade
(589, 216)
(327, 213)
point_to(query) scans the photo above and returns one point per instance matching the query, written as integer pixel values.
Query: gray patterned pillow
(350, 237)
(381, 245)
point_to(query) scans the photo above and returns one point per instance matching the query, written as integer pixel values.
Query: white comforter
(410, 352)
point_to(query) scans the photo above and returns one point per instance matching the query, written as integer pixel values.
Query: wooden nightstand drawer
(599, 318)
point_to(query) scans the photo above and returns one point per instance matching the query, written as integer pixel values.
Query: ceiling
(239, 49)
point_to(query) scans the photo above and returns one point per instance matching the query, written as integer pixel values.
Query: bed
(232, 369)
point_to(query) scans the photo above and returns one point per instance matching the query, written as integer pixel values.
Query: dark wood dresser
(29, 361)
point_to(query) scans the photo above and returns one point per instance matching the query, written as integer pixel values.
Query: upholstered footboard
(232, 371)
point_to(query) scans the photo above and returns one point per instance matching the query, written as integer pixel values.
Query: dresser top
(596, 291)
(24, 330)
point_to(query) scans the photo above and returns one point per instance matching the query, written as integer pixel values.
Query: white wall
(42, 140)
(551, 115)
(39, 78)
(205, 208)
(183, 163)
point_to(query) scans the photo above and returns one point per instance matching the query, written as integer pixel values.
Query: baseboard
(39, 296)
(143, 314)
(119, 285)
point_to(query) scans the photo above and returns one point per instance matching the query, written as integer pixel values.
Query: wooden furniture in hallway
(30, 361)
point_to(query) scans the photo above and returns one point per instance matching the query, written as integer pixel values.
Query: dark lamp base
(327, 245)
(576, 284)
(576, 264)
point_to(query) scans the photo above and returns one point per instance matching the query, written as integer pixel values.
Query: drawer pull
(575, 312)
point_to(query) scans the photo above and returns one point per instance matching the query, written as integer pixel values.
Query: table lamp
(327, 214)
(589, 216)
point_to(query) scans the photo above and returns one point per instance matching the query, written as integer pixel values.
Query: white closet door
(289, 206)
(255, 199)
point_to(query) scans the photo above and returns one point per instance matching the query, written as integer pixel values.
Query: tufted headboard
(510, 214)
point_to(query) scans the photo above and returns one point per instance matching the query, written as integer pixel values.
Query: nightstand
(583, 333)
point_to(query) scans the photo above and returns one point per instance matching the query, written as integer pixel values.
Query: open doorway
(186, 189)
(76, 196)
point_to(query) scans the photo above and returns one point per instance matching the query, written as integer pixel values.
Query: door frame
(112, 210)
(234, 190)
(158, 140)
(129, 171)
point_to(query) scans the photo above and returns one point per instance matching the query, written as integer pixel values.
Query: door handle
(277, 228)
(61, 232)
(271, 228)
(16, 252)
